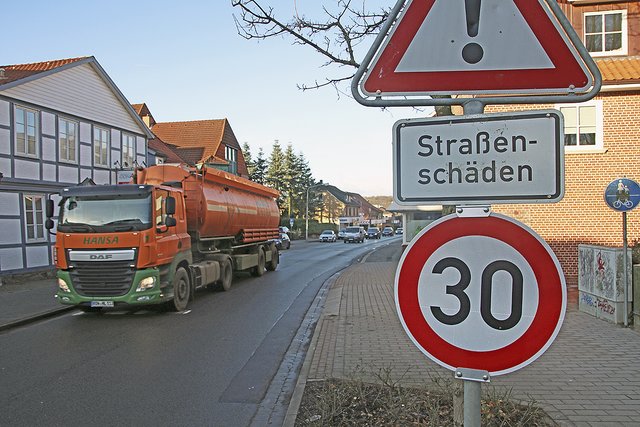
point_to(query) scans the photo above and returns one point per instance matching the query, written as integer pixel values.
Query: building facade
(61, 122)
(600, 138)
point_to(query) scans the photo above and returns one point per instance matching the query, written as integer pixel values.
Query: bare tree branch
(335, 36)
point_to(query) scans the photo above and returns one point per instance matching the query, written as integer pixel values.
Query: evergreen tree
(289, 178)
(246, 153)
(275, 173)
(260, 166)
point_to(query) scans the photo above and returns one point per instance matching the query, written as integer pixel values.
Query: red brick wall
(582, 216)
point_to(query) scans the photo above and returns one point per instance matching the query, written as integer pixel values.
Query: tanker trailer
(157, 240)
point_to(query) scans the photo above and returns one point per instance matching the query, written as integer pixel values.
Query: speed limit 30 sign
(483, 293)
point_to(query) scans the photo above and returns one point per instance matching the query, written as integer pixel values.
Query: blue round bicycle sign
(622, 194)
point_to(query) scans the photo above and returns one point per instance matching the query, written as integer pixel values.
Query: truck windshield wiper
(79, 226)
(132, 221)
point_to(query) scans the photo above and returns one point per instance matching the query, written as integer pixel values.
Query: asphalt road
(214, 364)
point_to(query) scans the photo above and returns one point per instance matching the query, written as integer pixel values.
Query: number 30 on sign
(483, 293)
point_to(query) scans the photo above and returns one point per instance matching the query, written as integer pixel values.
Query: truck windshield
(103, 214)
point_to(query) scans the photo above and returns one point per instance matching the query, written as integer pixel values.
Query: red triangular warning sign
(450, 47)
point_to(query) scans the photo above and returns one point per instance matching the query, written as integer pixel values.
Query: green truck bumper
(145, 289)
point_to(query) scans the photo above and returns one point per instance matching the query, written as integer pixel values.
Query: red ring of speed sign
(542, 278)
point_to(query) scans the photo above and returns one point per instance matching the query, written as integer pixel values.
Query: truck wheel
(226, 275)
(258, 270)
(275, 259)
(180, 290)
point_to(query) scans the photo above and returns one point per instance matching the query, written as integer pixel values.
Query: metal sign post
(623, 195)
(500, 52)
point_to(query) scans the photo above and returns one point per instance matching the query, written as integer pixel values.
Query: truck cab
(120, 245)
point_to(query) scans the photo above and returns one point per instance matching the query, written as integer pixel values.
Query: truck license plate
(101, 303)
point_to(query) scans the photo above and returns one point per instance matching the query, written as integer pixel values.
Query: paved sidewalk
(24, 302)
(589, 377)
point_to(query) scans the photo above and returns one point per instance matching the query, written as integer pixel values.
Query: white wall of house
(78, 91)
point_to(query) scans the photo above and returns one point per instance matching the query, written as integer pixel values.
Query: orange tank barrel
(220, 204)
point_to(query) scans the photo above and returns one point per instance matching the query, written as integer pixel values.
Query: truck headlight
(63, 285)
(146, 283)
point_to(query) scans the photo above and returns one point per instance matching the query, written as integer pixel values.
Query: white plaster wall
(141, 147)
(11, 229)
(115, 139)
(5, 141)
(37, 256)
(101, 176)
(10, 259)
(85, 132)
(5, 166)
(85, 155)
(9, 204)
(68, 174)
(48, 149)
(48, 172)
(26, 169)
(4, 113)
(48, 124)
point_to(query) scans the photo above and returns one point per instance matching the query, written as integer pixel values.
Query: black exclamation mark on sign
(472, 52)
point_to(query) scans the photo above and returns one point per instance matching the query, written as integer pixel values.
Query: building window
(67, 140)
(605, 33)
(26, 131)
(101, 146)
(34, 218)
(128, 150)
(231, 155)
(583, 126)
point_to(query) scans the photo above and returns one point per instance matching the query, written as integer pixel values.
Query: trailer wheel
(226, 275)
(258, 270)
(275, 259)
(180, 290)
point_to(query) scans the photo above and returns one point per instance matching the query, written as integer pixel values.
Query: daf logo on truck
(100, 257)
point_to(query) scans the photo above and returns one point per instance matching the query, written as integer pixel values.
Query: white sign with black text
(479, 159)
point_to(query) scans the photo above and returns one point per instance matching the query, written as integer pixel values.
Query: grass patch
(352, 402)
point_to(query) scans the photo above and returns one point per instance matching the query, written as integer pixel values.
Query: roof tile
(21, 71)
(619, 70)
(205, 135)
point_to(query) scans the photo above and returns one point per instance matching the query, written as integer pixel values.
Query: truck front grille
(102, 279)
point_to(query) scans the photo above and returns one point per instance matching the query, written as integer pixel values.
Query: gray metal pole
(306, 225)
(624, 268)
(472, 394)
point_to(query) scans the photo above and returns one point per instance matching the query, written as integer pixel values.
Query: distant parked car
(387, 231)
(283, 242)
(399, 230)
(341, 233)
(328, 236)
(354, 234)
(373, 233)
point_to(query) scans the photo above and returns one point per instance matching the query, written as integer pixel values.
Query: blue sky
(187, 62)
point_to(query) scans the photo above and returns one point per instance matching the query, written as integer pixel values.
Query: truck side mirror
(49, 208)
(48, 224)
(170, 221)
(170, 206)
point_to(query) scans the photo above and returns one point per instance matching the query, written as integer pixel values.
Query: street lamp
(306, 227)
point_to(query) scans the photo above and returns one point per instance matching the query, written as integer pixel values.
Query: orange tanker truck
(158, 239)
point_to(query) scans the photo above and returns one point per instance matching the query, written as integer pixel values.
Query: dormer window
(605, 33)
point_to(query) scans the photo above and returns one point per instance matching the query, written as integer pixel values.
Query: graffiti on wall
(600, 272)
